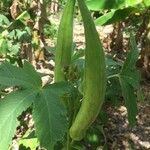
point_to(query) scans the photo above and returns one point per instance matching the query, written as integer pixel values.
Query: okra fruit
(64, 41)
(94, 77)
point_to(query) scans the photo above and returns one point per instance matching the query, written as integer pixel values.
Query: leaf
(140, 95)
(111, 62)
(4, 20)
(6, 3)
(77, 55)
(146, 2)
(23, 17)
(104, 4)
(16, 24)
(26, 77)
(129, 81)
(11, 34)
(129, 70)
(14, 49)
(10, 108)
(3, 46)
(49, 115)
(112, 66)
(29, 140)
(130, 100)
(115, 16)
(132, 2)
(113, 85)
(114, 4)
(50, 49)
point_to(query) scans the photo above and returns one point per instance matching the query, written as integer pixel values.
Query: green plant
(13, 35)
(55, 106)
(50, 30)
(30, 92)
(129, 78)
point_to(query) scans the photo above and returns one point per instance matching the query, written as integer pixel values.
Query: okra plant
(62, 113)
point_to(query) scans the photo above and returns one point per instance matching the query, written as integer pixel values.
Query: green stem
(68, 141)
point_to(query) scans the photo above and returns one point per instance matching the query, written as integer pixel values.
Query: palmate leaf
(129, 81)
(49, 115)
(10, 108)
(25, 77)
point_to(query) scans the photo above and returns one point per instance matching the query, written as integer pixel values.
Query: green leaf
(114, 4)
(146, 2)
(130, 100)
(29, 142)
(14, 49)
(16, 24)
(132, 2)
(10, 108)
(49, 114)
(113, 85)
(50, 49)
(113, 67)
(4, 20)
(23, 17)
(104, 4)
(3, 46)
(129, 71)
(26, 77)
(11, 34)
(6, 3)
(77, 55)
(23, 35)
(129, 81)
(115, 16)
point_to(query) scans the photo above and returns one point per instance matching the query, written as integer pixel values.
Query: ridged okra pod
(94, 77)
(64, 41)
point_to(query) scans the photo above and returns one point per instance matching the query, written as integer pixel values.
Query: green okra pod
(64, 41)
(94, 77)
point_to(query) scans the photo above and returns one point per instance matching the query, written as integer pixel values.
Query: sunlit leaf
(10, 108)
(146, 2)
(104, 4)
(4, 20)
(110, 4)
(49, 115)
(3, 46)
(26, 77)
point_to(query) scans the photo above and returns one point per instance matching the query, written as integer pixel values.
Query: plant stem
(68, 141)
